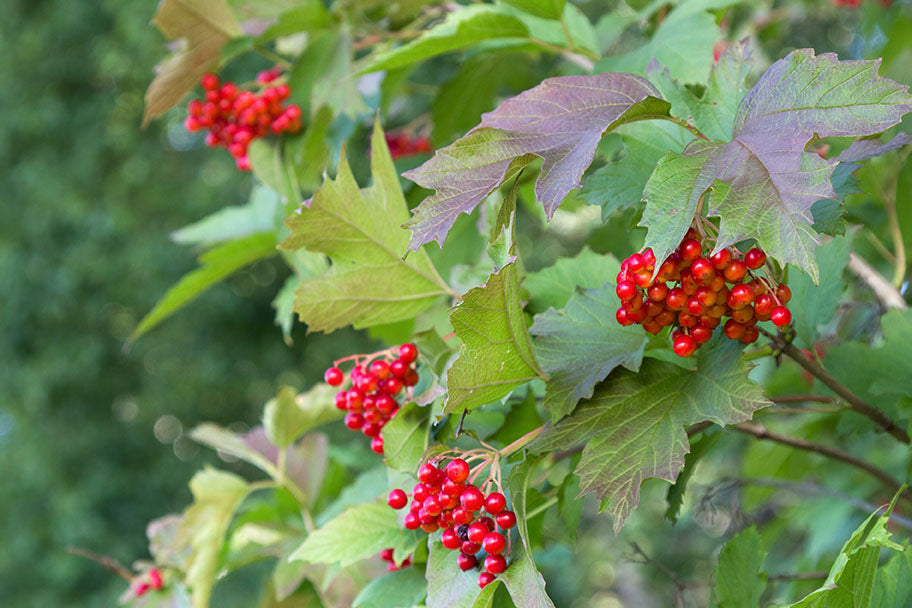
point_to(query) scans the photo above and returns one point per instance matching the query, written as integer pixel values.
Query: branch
(799, 576)
(854, 401)
(680, 585)
(685, 125)
(885, 292)
(109, 563)
(761, 432)
(803, 399)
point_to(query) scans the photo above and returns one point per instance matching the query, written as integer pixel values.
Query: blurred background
(92, 441)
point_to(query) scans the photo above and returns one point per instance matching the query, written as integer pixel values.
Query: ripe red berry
(735, 272)
(411, 378)
(386, 555)
(411, 521)
(379, 369)
(466, 562)
(635, 262)
(428, 473)
(210, 82)
(649, 259)
(461, 515)
(470, 548)
(477, 532)
(701, 334)
(450, 539)
(626, 290)
(354, 421)
(657, 292)
(495, 503)
(397, 499)
(457, 470)
(494, 543)
(741, 295)
(340, 401)
(472, 499)
(781, 316)
(485, 579)
(721, 259)
(432, 505)
(764, 303)
(702, 269)
(734, 330)
(495, 564)
(155, 578)
(676, 299)
(408, 353)
(783, 293)
(690, 249)
(506, 519)
(333, 376)
(684, 345)
(755, 258)
(371, 429)
(750, 335)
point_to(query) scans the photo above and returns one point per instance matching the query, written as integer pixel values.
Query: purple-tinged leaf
(561, 120)
(863, 149)
(774, 182)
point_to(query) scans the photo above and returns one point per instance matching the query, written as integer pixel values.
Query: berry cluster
(694, 293)
(857, 3)
(445, 498)
(150, 580)
(402, 144)
(387, 556)
(376, 380)
(236, 117)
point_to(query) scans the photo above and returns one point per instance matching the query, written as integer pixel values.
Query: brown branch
(761, 432)
(109, 563)
(798, 576)
(803, 399)
(882, 288)
(853, 400)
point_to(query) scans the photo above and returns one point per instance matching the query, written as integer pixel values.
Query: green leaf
(699, 447)
(356, 534)
(203, 26)
(814, 305)
(633, 427)
(548, 9)
(850, 583)
(283, 303)
(290, 415)
(580, 344)
(369, 282)
(231, 223)
(462, 28)
(309, 154)
(669, 212)
(893, 582)
(305, 16)
(715, 113)
(496, 354)
(216, 264)
(739, 582)
(271, 167)
(569, 507)
(231, 443)
(400, 589)
(683, 43)
(367, 487)
(216, 496)
(561, 121)
(447, 585)
(553, 286)
(829, 217)
(405, 437)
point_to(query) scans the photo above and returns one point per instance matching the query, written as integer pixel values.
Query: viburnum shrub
(748, 354)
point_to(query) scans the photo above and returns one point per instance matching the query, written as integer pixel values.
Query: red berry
(371, 429)
(721, 259)
(333, 376)
(622, 317)
(411, 521)
(755, 258)
(684, 345)
(472, 499)
(155, 578)
(461, 515)
(450, 539)
(783, 293)
(354, 421)
(384, 404)
(702, 269)
(379, 369)
(386, 555)
(506, 519)
(690, 249)
(408, 353)
(649, 259)
(626, 290)
(141, 588)
(781, 316)
(488, 523)
(495, 564)
(764, 303)
(741, 295)
(695, 306)
(736, 271)
(734, 330)
(494, 543)
(457, 470)
(340, 401)
(485, 579)
(397, 499)
(635, 262)
(676, 299)
(421, 491)
(411, 378)
(470, 548)
(495, 503)
(701, 334)
(354, 399)
(466, 562)
(657, 292)
(210, 82)
(750, 335)
(477, 532)
(428, 473)
(432, 505)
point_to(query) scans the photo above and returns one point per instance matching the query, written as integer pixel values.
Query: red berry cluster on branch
(150, 580)
(402, 144)
(694, 294)
(376, 380)
(446, 498)
(387, 556)
(236, 117)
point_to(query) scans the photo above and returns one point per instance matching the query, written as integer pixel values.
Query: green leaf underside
(580, 344)
(633, 426)
(561, 120)
(360, 229)
(215, 265)
(739, 582)
(447, 585)
(814, 305)
(401, 589)
(290, 415)
(851, 580)
(405, 438)
(256, 216)
(496, 354)
(356, 534)
(553, 286)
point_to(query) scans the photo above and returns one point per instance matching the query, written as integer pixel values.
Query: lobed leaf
(633, 426)
(561, 120)
(553, 286)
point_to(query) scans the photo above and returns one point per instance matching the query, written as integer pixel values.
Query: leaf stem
(685, 125)
(584, 61)
(761, 432)
(541, 508)
(521, 442)
(273, 56)
(109, 563)
(888, 295)
(854, 401)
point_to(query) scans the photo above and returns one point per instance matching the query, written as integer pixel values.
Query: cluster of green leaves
(532, 363)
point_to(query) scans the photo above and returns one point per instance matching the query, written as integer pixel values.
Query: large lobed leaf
(203, 27)
(633, 426)
(773, 181)
(369, 282)
(561, 120)
(580, 344)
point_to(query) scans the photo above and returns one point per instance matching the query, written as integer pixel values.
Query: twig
(584, 62)
(109, 563)
(698, 428)
(798, 576)
(761, 432)
(885, 292)
(853, 400)
(685, 125)
(803, 410)
(680, 585)
(803, 399)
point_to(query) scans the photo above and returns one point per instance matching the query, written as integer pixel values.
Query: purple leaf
(863, 149)
(561, 121)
